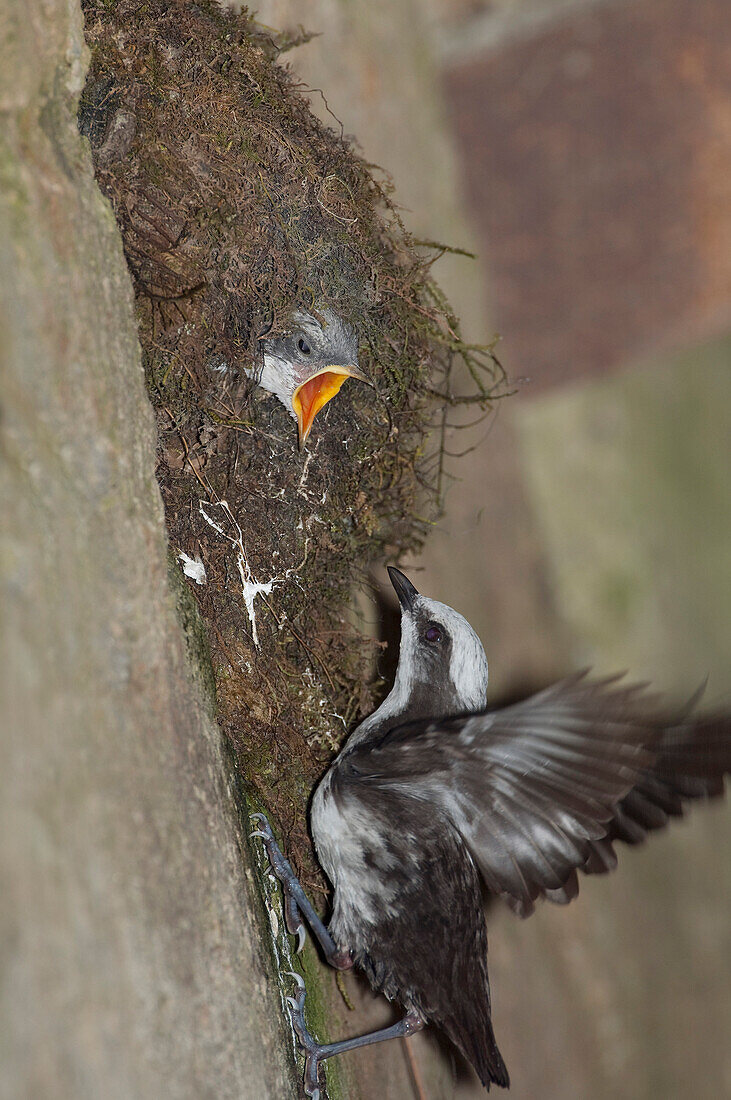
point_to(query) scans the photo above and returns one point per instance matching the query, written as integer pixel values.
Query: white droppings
(305, 468)
(250, 587)
(193, 568)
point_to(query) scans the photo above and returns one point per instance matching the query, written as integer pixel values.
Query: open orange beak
(314, 394)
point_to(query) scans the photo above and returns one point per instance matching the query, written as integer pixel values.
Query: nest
(236, 205)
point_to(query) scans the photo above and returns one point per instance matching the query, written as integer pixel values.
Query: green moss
(195, 632)
(319, 979)
(319, 1020)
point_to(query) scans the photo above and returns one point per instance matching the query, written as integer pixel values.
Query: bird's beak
(403, 587)
(314, 394)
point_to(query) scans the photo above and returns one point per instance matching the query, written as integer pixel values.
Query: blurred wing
(692, 760)
(541, 788)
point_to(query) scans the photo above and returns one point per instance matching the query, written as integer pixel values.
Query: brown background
(583, 150)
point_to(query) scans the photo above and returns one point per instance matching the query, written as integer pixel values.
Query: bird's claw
(283, 871)
(277, 862)
(308, 1043)
(297, 1004)
(297, 977)
(293, 920)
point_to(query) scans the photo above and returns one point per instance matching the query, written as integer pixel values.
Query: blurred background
(582, 148)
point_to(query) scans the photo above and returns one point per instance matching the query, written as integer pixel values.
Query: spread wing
(540, 789)
(692, 759)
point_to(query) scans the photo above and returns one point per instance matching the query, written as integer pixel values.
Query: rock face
(131, 962)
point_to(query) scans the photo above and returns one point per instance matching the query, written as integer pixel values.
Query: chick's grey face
(310, 363)
(310, 345)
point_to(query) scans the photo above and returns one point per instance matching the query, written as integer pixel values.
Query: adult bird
(433, 792)
(306, 366)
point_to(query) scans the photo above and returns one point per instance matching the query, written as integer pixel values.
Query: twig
(416, 1078)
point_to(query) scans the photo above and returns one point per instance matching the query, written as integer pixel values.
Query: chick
(307, 365)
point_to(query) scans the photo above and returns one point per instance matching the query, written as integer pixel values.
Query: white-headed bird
(434, 794)
(306, 365)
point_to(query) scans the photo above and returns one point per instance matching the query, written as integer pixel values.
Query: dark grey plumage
(433, 792)
(426, 946)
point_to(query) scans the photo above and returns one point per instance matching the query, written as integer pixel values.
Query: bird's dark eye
(433, 635)
(304, 346)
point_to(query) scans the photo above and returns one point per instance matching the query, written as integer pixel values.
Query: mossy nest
(237, 205)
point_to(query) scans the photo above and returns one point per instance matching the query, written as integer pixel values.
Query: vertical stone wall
(131, 961)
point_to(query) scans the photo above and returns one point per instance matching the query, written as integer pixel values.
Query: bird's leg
(296, 902)
(317, 1052)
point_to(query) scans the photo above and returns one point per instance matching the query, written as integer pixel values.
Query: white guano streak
(193, 568)
(250, 588)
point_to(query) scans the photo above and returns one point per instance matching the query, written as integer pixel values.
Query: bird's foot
(317, 1052)
(297, 906)
(312, 1049)
(282, 869)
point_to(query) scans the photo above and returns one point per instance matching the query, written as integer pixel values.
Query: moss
(195, 633)
(319, 980)
(319, 1021)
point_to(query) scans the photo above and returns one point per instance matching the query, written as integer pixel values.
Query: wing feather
(544, 787)
(692, 760)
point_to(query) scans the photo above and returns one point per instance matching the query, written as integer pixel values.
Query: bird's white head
(306, 366)
(442, 666)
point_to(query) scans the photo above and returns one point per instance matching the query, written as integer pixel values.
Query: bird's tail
(490, 1065)
(481, 1049)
